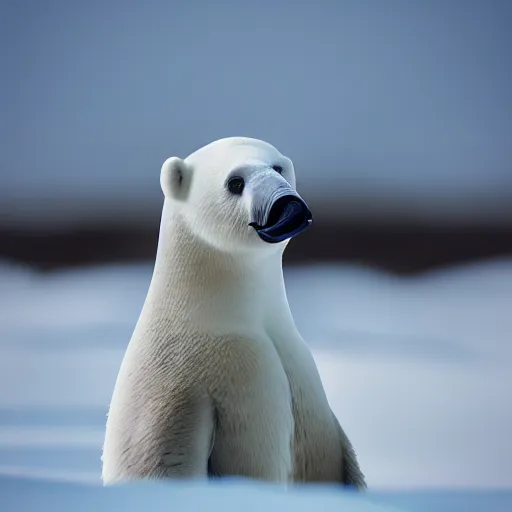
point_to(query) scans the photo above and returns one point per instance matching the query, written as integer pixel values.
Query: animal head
(236, 194)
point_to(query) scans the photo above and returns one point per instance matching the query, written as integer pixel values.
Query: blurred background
(398, 117)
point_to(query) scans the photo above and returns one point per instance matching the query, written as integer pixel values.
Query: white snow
(229, 497)
(418, 370)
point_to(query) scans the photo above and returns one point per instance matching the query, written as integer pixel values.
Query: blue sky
(383, 106)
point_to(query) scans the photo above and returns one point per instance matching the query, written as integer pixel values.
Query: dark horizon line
(395, 248)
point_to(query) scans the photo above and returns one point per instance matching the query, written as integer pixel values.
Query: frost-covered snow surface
(28, 494)
(24, 495)
(418, 371)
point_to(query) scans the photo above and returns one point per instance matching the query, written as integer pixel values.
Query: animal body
(216, 379)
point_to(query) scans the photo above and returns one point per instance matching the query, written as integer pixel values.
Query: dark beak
(288, 215)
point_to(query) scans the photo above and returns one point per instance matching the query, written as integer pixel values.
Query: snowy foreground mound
(27, 495)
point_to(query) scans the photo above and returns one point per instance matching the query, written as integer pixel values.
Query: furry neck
(197, 287)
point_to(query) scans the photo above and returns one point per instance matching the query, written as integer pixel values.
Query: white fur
(216, 368)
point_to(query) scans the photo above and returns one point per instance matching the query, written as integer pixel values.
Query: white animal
(216, 379)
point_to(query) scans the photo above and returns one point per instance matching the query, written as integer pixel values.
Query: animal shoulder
(214, 360)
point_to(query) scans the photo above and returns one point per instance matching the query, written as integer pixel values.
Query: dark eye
(277, 168)
(236, 185)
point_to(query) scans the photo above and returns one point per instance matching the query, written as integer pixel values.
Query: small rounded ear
(175, 178)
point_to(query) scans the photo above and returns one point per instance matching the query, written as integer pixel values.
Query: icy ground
(418, 371)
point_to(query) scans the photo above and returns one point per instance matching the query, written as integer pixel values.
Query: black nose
(288, 217)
